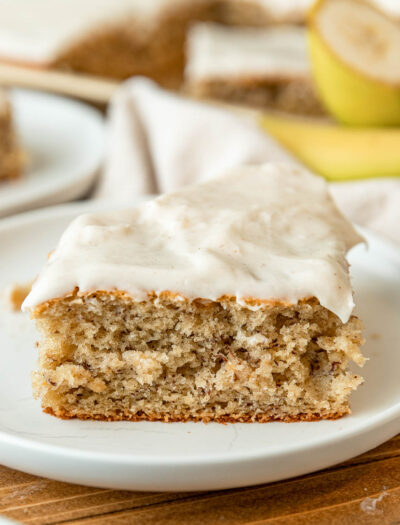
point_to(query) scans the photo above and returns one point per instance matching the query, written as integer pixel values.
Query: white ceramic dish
(191, 456)
(63, 141)
(5, 521)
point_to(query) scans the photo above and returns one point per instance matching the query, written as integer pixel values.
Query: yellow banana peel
(355, 62)
(336, 152)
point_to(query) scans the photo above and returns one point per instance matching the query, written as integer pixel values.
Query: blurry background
(321, 77)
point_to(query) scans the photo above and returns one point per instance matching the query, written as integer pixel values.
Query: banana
(337, 152)
(355, 56)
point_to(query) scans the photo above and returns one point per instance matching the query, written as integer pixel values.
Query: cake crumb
(15, 294)
(235, 376)
(368, 505)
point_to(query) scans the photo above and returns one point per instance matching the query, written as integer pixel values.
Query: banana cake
(226, 301)
(10, 155)
(261, 67)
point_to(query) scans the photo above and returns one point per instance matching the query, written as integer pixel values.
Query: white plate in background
(63, 141)
(189, 456)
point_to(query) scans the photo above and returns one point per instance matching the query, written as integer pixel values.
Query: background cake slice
(225, 301)
(262, 67)
(10, 155)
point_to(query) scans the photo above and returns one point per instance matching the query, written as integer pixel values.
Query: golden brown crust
(247, 80)
(168, 295)
(295, 95)
(166, 418)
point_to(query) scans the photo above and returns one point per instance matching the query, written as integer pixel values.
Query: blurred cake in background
(114, 39)
(10, 155)
(121, 38)
(263, 67)
(264, 12)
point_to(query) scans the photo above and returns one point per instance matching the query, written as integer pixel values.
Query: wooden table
(345, 495)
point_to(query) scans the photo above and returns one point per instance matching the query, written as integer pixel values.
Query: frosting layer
(269, 232)
(293, 11)
(216, 51)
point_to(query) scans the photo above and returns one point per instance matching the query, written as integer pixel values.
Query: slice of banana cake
(10, 154)
(226, 301)
(261, 67)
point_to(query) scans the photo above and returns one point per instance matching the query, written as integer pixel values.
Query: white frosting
(38, 31)
(216, 51)
(266, 232)
(282, 10)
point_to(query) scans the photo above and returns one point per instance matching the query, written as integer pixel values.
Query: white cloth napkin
(159, 141)
(373, 203)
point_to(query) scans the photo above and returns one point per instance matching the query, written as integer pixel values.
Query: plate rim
(56, 191)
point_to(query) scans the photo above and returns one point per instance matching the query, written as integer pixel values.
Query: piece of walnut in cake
(225, 301)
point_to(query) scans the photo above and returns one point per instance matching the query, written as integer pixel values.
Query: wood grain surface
(364, 490)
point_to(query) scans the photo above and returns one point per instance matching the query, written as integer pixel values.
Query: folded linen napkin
(159, 141)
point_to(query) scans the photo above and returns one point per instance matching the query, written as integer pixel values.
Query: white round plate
(5, 521)
(189, 456)
(63, 141)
